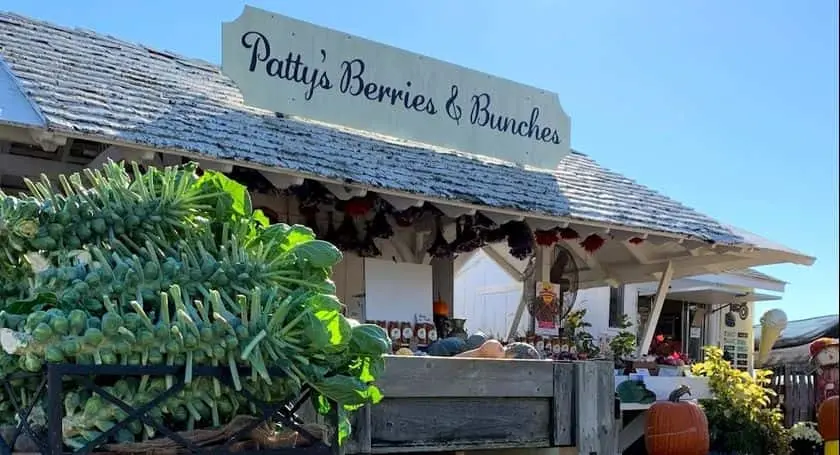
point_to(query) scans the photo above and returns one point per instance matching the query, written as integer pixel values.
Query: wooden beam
(632, 432)
(48, 140)
(5, 146)
(503, 262)
(117, 153)
(502, 218)
(401, 203)
(592, 263)
(345, 192)
(402, 248)
(282, 181)
(656, 308)
(225, 168)
(724, 260)
(27, 166)
(636, 252)
(454, 211)
(523, 300)
(420, 254)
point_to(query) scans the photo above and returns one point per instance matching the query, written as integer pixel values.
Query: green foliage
(165, 267)
(624, 343)
(576, 327)
(741, 417)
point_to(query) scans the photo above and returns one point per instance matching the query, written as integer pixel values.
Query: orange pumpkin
(675, 427)
(828, 419)
(440, 307)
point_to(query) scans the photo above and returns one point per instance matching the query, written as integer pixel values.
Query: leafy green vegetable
(370, 340)
(161, 266)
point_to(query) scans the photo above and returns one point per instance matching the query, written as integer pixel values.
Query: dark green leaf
(348, 391)
(337, 327)
(324, 302)
(285, 237)
(260, 218)
(28, 305)
(233, 201)
(369, 340)
(315, 332)
(317, 253)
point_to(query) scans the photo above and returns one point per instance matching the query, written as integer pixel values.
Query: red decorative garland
(546, 238)
(568, 234)
(592, 243)
(636, 240)
(357, 207)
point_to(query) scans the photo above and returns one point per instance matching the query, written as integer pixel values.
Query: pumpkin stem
(675, 396)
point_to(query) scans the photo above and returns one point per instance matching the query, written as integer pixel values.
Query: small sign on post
(299, 69)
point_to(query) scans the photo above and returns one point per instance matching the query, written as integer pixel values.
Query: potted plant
(741, 419)
(623, 344)
(575, 327)
(805, 439)
(670, 361)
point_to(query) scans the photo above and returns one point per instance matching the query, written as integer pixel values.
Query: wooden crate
(435, 404)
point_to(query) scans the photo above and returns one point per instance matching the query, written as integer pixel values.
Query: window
(616, 305)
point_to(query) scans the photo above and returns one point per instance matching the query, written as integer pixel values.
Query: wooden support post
(656, 308)
(562, 410)
(545, 258)
(632, 432)
(595, 408)
(443, 281)
(526, 280)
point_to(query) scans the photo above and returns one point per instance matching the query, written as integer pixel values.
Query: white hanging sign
(299, 69)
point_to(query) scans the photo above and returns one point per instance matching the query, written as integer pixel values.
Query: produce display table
(661, 386)
(437, 404)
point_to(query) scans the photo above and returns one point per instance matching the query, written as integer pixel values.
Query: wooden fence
(796, 393)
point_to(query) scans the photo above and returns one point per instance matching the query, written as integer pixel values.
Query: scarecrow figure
(825, 354)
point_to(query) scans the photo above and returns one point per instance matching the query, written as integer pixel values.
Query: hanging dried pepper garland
(520, 239)
(311, 194)
(568, 234)
(367, 247)
(467, 239)
(356, 207)
(407, 217)
(546, 238)
(440, 248)
(483, 223)
(592, 243)
(488, 231)
(380, 227)
(347, 236)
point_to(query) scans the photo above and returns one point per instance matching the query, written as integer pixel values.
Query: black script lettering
(530, 128)
(353, 83)
(257, 42)
(482, 116)
(351, 77)
(503, 124)
(545, 134)
(452, 108)
(292, 68)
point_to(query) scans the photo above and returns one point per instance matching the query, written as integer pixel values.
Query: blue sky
(728, 107)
